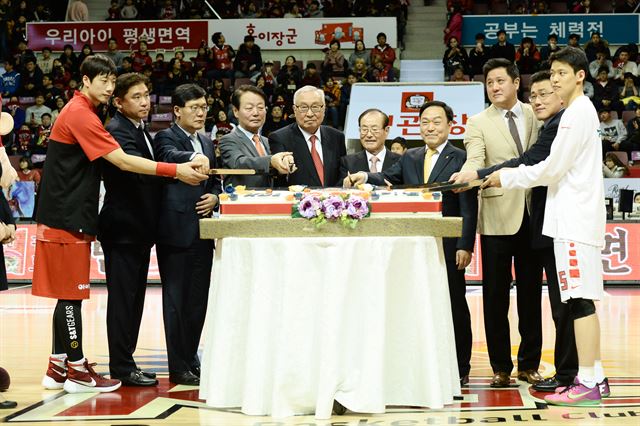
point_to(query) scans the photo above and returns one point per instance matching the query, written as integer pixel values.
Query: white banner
(402, 102)
(307, 33)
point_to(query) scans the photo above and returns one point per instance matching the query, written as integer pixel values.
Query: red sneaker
(56, 374)
(88, 381)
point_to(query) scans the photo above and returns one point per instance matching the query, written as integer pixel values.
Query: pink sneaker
(56, 374)
(88, 381)
(575, 395)
(604, 388)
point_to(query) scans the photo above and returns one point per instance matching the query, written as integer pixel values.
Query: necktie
(427, 163)
(146, 140)
(259, 148)
(317, 162)
(513, 129)
(374, 164)
(197, 146)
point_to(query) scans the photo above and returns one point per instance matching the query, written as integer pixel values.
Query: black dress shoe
(147, 374)
(137, 378)
(549, 384)
(338, 409)
(464, 380)
(184, 378)
(196, 371)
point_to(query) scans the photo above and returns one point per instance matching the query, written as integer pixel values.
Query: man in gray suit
(245, 148)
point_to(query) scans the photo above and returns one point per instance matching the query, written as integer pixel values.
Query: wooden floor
(25, 344)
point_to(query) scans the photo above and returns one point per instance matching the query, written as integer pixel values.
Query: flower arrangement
(348, 209)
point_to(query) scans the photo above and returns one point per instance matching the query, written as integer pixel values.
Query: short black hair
(540, 76)
(45, 113)
(480, 36)
(185, 93)
(550, 36)
(501, 31)
(95, 65)
(334, 41)
(249, 38)
(126, 81)
(512, 68)
(399, 139)
(572, 56)
(237, 94)
(215, 37)
(48, 49)
(381, 35)
(575, 36)
(385, 117)
(447, 109)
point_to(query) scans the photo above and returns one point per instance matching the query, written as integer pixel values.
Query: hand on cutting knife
(463, 177)
(202, 163)
(493, 180)
(355, 179)
(283, 162)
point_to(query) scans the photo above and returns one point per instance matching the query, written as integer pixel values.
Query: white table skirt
(294, 323)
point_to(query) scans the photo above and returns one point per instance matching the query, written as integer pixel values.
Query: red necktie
(259, 148)
(317, 162)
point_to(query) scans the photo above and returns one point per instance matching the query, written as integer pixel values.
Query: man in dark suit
(374, 130)
(438, 160)
(316, 148)
(245, 148)
(184, 259)
(127, 229)
(547, 106)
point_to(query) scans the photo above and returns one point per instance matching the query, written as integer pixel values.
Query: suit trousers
(459, 307)
(497, 254)
(565, 352)
(186, 276)
(126, 267)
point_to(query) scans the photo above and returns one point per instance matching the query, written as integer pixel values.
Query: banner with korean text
(402, 102)
(307, 33)
(158, 34)
(618, 28)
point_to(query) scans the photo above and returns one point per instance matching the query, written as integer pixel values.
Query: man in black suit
(317, 149)
(438, 160)
(374, 130)
(127, 229)
(184, 259)
(245, 147)
(547, 106)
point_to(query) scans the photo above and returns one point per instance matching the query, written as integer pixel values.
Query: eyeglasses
(197, 108)
(542, 96)
(305, 108)
(373, 130)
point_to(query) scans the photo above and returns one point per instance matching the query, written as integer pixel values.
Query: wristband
(167, 169)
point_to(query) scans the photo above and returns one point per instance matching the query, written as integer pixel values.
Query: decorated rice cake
(280, 202)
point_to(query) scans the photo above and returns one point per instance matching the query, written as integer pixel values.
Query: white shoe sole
(49, 383)
(74, 387)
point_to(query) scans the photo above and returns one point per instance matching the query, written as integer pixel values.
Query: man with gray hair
(316, 148)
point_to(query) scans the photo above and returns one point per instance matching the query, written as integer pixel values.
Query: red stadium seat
(627, 115)
(623, 156)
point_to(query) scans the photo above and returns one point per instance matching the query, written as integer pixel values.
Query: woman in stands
(613, 167)
(455, 56)
(359, 51)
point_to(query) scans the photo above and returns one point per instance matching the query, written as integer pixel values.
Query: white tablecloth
(294, 323)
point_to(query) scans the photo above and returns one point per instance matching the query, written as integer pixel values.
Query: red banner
(19, 257)
(157, 34)
(620, 256)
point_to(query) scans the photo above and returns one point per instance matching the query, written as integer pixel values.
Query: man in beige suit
(502, 131)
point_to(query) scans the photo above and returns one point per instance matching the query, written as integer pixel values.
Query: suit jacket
(290, 139)
(178, 222)
(410, 170)
(488, 142)
(132, 201)
(239, 152)
(358, 162)
(537, 153)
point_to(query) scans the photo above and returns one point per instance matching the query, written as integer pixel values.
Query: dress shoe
(147, 374)
(464, 380)
(500, 380)
(550, 384)
(530, 376)
(196, 371)
(184, 378)
(338, 409)
(137, 378)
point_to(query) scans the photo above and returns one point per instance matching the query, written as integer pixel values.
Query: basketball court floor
(25, 337)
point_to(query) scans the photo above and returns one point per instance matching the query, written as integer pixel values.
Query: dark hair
(215, 37)
(112, 39)
(185, 93)
(447, 109)
(385, 117)
(95, 65)
(128, 59)
(402, 141)
(126, 81)
(381, 35)
(550, 36)
(311, 65)
(623, 49)
(27, 159)
(249, 38)
(540, 76)
(616, 160)
(571, 56)
(334, 41)
(510, 67)
(237, 94)
(574, 35)
(480, 36)
(603, 68)
(501, 31)
(46, 48)
(45, 113)
(355, 45)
